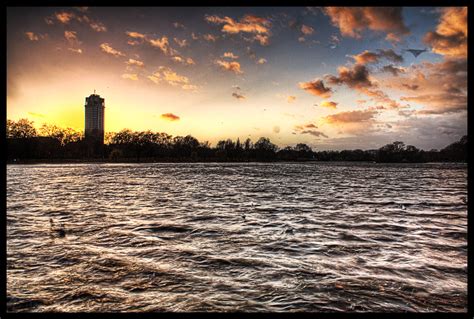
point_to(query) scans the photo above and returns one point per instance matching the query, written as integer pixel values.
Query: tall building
(95, 107)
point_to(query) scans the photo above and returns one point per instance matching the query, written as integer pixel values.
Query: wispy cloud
(316, 87)
(232, 66)
(105, 47)
(130, 76)
(170, 117)
(134, 62)
(238, 96)
(230, 55)
(258, 26)
(32, 36)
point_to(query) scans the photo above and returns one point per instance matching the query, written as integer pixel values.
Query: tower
(94, 130)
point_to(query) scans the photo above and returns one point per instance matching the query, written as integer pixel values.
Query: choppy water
(173, 237)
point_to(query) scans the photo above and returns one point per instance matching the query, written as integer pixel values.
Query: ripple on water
(237, 237)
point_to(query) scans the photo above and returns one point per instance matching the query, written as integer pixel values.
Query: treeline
(53, 143)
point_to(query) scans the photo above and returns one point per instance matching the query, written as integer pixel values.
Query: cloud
(258, 26)
(261, 61)
(232, 66)
(37, 114)
(306, 30)
(178, 25)
(209, 37)
(181, 43)
(187, 61)
(238, 96)
(262, 39)
(393, 69)
(135, 35)
(64, 17)
(351, 117)
(155, 77)
(439, 87)
(357, 77)
(276, 129)
(31, 36)
(291, 98)
(314, 133)
(105, 47)
(133, 77)
(351, 21)
(249, 24)
(75, 50)
(439, 103)
(230, 55)
(329, 104)
(310, 129)
(98, 27)
(172, 78)
(450, 36)
(189, 87)
(71, 37)
(163, 45)
(367, 57)
(170, 117)
(316, 87)
(412, 87)
(135, 62)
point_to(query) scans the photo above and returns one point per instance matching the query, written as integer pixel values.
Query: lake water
(307, 237)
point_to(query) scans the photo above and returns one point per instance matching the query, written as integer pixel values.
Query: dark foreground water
(173, 237)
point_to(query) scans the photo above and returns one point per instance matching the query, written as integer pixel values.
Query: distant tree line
(52, 143)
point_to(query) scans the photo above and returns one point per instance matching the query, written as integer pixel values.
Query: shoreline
(149, 161)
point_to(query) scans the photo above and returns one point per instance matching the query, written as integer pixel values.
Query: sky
(332, 78)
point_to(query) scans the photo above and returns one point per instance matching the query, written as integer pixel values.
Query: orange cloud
(181, 43)
(351, 21)
(187, 61)
(64, 17)
(238, 96)
(136, 35)
(450, 37)
(135, 62)
(351, 117)
(329, 104)
(98, 27)
(209, 37)
(163, 45)
(170, 117)
(306, 30)
(232, 66)
(316, 87)
(75, 50)
(249, 24)
(31, 36)
(71, 37)
(105, 47)
(133, 77)
(291, 98)
(367, 57)
(309, 129)
(230, 55)
(357, 77)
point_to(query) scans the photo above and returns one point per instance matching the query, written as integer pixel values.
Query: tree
(21, 129)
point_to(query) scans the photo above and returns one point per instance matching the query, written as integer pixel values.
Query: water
(173, 237)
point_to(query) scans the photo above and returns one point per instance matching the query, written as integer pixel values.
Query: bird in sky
(416, 52)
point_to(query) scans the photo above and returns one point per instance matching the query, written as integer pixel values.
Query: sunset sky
(333, 78)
